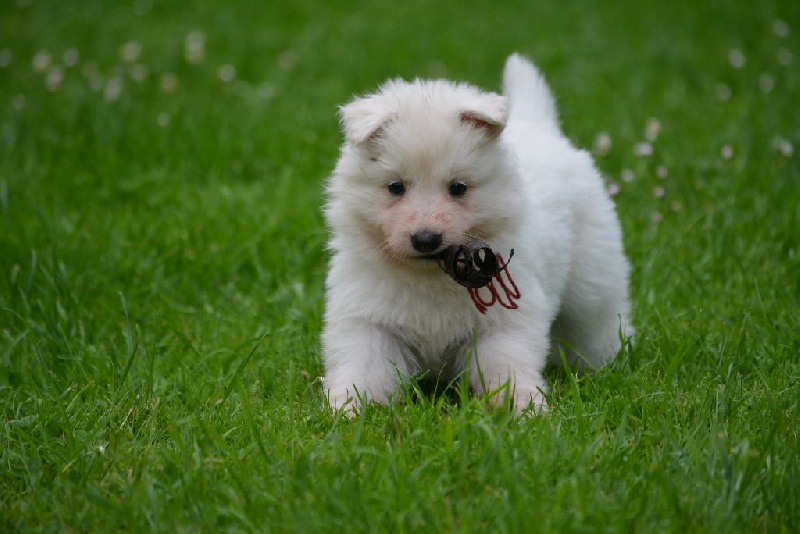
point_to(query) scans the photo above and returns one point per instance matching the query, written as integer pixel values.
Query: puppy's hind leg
(586, 343)
(595, 312)
(593, 322)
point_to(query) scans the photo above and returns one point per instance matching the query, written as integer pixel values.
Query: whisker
(473, 235)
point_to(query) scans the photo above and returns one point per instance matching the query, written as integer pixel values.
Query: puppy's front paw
(343, 401)
(531, 403)
(364, 363)
(350, 399)
(521, 401)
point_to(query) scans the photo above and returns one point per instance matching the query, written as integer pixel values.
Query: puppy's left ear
(365, 118)
(489, 114)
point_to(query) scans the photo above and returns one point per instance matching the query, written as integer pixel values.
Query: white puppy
(430, 165)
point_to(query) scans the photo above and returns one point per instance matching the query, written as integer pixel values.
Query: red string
(512, 293)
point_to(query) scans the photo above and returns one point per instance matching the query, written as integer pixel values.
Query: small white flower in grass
(602, 143)
(142, 7)
(723, 92)
(643, 149)
(18, 102)
(784, 57)
(658, 192)
(726, 152)
(113, 89)
(782, 145)
(661, 172)
(194, 47)
(288, 59)
(266, 90)
(627, 175)
(101, 449)
(97, 82)
(736, 58)
(42, 61)
(169, 83)
(54, 79)
(5, 57)
(163, 119)
(131, 51)
(613, 189)
(656, 217)
(780, 28)
(766, 82)
(227, 73)
(71, 57)
(89, 69)
(653, 129)
(140, 72)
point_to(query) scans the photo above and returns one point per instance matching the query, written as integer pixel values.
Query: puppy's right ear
(365, 118)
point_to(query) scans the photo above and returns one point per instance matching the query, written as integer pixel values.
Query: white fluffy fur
(390, 314)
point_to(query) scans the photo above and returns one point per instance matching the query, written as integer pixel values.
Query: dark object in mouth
(475, 265)
(472, 265)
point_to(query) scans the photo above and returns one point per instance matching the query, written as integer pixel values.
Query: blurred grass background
(162, 265)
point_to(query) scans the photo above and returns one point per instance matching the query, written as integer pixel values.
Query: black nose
(426, 241)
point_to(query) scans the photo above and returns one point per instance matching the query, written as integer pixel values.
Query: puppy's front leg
(362, 360)
(508, 362)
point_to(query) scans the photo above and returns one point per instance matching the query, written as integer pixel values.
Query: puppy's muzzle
(426, 241)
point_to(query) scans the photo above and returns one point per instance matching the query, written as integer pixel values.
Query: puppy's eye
(397, 188)
(458, 189)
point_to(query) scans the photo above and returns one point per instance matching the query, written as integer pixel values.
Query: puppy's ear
(489, 114)
(365, 118)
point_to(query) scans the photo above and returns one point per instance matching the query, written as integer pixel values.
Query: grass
(162, 271)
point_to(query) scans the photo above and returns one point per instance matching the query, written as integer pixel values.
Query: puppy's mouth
(436, 256)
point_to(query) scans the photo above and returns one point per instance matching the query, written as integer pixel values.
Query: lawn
(162, 264)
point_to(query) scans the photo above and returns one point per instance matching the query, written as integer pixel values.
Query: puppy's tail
(530, 98)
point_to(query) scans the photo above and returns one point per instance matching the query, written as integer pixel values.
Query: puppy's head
(422, 168)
